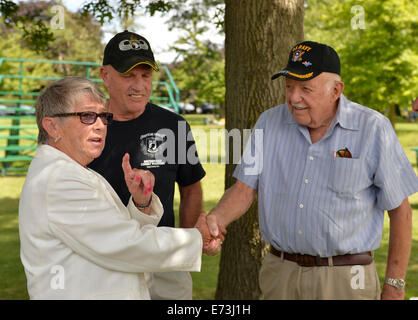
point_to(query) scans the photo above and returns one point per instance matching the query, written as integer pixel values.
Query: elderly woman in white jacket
(78, 241)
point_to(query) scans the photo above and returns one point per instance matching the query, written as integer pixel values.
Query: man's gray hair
(61, 96)
(332, 80)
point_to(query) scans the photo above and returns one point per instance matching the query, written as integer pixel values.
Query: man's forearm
(400, 240)
(234, 203)
(190, 204)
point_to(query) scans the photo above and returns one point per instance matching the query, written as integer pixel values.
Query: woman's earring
(56, 139)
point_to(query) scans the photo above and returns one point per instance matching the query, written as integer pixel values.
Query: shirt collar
(288, 118)
(345, 114)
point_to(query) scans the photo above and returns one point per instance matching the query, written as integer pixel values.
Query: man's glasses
(89, 117)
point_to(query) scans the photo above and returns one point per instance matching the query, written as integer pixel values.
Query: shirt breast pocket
(344, 178)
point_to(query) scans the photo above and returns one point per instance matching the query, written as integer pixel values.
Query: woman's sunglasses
(89, 117)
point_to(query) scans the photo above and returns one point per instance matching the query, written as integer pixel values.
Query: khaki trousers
(282, 279)
(175, 285)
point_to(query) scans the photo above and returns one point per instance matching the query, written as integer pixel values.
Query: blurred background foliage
(377, 44)
(376, 41)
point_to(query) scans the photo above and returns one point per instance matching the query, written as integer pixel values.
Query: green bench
(20, 117)
(16, 158)
(15, 147)
(18, 141)
(18, 127)
(30, 137)
(10, 159)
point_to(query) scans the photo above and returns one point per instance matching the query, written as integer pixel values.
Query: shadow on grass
(205, 281)
(12, 275)
(9, 205)
(402, 131)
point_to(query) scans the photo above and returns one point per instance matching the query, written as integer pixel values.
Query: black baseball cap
(308, 59)
(126, 50)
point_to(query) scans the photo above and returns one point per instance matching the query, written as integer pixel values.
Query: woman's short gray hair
(61, 96)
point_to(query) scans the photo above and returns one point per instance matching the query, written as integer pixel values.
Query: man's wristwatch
(397, 283)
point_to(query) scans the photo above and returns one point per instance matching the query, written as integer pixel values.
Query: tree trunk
(259, 35)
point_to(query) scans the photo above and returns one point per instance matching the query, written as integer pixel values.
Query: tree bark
(258, 37)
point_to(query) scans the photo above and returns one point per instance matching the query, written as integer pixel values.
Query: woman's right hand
(211, 245)
(140, 183)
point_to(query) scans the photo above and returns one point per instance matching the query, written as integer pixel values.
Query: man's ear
(51, 126)
(104, 72)
(338, 89)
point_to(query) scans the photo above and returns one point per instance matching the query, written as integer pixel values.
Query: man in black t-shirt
(157, 140)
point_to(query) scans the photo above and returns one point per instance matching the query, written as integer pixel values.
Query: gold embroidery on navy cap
(298, 52)
(303, 76)
(297, 55)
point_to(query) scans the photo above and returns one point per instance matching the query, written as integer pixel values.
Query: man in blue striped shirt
(325, 171)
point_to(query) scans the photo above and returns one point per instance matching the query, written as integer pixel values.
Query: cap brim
(152, 65)
(128, 64)
(297, 75)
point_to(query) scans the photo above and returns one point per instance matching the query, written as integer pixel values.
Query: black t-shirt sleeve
(191, 171)
(189, 174)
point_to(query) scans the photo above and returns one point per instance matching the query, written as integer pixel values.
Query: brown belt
(305, 260)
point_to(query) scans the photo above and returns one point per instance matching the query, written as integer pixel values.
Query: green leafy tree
(201, 72)
(376, 41)
(35, 31)
(78, 39)
(199, 68)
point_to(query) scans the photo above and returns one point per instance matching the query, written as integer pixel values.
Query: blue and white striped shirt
(312, 202)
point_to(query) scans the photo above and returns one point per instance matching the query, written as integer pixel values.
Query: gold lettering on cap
(302, 47)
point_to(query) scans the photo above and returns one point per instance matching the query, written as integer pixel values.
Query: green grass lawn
(12, 277)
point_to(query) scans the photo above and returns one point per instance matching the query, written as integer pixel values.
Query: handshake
(213, 233)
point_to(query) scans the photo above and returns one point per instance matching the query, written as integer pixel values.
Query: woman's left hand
(140, 182)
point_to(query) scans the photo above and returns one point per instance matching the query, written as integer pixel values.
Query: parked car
(3, 110)
(207, 107)
(186, 107)
(29, 110)
(8, 110)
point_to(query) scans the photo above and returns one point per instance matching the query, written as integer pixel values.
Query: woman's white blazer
(78, 240)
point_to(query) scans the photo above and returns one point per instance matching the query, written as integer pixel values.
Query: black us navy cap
(308, 59)
(126, 50)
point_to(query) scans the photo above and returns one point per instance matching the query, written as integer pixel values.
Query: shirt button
(301, 206)
(306, 181)
(311, 158)
(300, 232)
